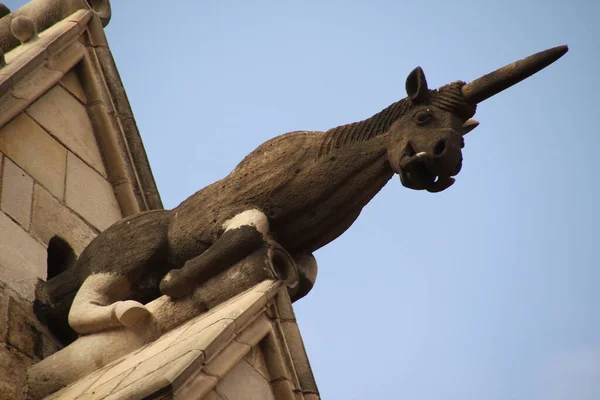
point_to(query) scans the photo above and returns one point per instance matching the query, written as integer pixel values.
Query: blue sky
(485, 291)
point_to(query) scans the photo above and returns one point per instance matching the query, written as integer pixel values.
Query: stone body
(301, 189)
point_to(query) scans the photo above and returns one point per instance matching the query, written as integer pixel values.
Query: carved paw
(175, 285)
(130, 312)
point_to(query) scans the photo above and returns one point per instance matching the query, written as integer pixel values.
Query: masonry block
(257, 360)
(1, 163)
(22, 334)
(3, 312)
(67, 120)
(72, 83)
(22, 258)
(14, 371)
(90, 195)
(16, 198)
(244, 382)
(25, 333)
(51, 218)
(35, 151)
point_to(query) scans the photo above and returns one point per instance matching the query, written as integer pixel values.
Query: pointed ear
(416, 86)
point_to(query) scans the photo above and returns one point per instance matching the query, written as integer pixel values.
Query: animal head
(425, 138)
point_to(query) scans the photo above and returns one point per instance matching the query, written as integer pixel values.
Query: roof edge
(78, 41)
(45, 13)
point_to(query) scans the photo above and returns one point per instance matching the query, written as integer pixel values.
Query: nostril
(439, 147)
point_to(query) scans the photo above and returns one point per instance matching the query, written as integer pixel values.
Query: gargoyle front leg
(96, 307)
(243, 234)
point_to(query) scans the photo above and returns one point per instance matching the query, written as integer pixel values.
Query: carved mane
(447, 98)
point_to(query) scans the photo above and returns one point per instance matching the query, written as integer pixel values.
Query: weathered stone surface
(47, 16)
(90, 195)
(102, 389)
(17, 194)
(257, 360)
(14, 370)
(128, 141)
(299, 357)
(67, 120)
(66, 59)
(22, 258)
(274, 358)
(50, 218)
(23, 28)
(226, 359)
(244, 383)
(285, 310)
(3, 311)
(97, 37)
(22, 334)
(212, 396)
(36, 83)
(172, 363)
(283, 390)
(203, 338)
(25, 332)
(34, 150)
(72, 83)
(10, 106)
(255, 331)
(196, 387)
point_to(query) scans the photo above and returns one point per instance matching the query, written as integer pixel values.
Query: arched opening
(60, 257)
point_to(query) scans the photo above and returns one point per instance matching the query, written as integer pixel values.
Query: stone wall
(23, 341)
(53, 183)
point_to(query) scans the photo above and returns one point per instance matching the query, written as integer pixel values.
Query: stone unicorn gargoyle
(301, 189)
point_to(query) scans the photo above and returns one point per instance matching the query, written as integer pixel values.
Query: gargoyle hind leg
(243, 234)
(96, 306)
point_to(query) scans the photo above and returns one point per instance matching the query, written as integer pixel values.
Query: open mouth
(418, 172)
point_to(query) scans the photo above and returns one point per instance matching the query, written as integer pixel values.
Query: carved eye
(422, 116)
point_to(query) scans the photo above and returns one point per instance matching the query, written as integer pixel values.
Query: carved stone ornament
(291, 196)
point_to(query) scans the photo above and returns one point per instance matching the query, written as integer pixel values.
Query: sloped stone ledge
(45, 13)
(36, 66)
(94, 351)
(237, 350)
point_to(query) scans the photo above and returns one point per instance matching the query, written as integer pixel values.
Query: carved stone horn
(488, 85)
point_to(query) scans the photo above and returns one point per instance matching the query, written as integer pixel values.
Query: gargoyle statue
(301, 189)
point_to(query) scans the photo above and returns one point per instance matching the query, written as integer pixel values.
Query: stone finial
(4, 10)
(23, 28)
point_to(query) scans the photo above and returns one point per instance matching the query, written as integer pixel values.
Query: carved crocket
(301, 189)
